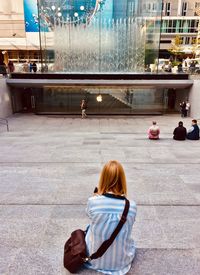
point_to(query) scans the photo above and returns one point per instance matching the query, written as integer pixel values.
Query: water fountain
(105, 38)
(102, 46)
(101, 35)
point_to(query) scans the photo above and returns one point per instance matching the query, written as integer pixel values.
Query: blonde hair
(112, 179)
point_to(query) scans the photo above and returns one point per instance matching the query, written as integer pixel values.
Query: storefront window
(62, 100)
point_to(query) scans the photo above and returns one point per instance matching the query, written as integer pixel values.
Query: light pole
(100, 25)
(40, 39)
(198, 34)
(161, 22)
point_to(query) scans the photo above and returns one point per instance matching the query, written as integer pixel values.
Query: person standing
(154, 131)
(193, 132)
(192, 67)
(180, 132)
(34, 67)
(30, 67)
(104, 210)
(180, 68)
(147, 69)
(26, 67)
(187, 108)
(83, 108)
(11, 66)
(183, 109)
(3, 70)
(169, 69)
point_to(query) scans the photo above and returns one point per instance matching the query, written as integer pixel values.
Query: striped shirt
(105, 213)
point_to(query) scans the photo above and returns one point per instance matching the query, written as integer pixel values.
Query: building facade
(179, 19)
(110, 48)
(15, 42)
(119, 30)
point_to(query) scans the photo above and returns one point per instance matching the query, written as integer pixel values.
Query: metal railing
(4, 121)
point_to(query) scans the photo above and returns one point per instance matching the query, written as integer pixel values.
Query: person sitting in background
(180, 132)
(154, 131)
(193, 132)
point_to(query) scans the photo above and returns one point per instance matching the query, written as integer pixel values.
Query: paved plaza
(49, 166)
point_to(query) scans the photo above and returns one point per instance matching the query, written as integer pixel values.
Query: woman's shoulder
(101, 201)
(97, 197)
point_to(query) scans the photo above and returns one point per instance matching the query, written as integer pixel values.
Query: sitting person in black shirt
(180, 132)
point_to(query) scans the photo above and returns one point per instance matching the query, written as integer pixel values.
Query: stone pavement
(49, 166)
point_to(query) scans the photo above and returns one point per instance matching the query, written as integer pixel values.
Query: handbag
(75, 254)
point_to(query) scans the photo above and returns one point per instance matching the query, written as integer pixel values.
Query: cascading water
(101, 35)
(104, 45)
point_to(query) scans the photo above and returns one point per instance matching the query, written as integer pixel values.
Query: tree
(176, 46)
(195, 46)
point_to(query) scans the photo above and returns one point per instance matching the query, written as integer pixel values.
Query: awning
(88, 83)
(18, 44)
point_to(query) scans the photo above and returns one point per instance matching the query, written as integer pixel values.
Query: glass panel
(184, 8)
(177, 26)
(185, 26)
(65, 100)
(98, 35)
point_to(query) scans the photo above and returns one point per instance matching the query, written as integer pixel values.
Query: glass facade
(179, 26)
(99, 35)
(95, 37)
(62, 100)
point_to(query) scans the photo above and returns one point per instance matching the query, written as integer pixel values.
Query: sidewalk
(50, 165)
